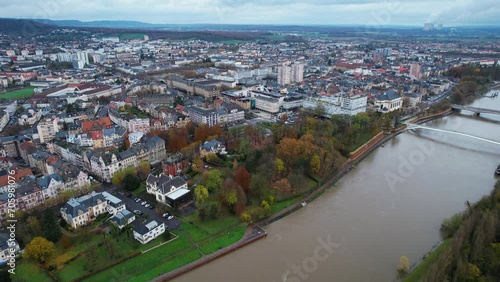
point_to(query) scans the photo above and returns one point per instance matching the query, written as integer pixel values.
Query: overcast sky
(358, 12)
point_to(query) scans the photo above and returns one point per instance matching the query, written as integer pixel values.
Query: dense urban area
(137, 151)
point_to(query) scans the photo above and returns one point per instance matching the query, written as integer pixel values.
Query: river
(391, 204)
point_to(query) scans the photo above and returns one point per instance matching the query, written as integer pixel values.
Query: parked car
(137, 200)
(170, 217)
(129, 195)
(151, 207)
(144, 203)
(147, 205)
(165, 215)
(137, 212)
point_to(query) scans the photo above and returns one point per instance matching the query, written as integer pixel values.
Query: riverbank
(357, 156)
(421, 269)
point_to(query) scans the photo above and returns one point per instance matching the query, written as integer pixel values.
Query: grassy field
(418, 273)
(19, 94)
(29, 272)
(225, 240)
(131, 36)
(167, 257)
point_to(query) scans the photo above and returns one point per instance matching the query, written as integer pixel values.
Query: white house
(114, 205)
(122, 218)
(168, 190)
(51, 185)
(81, 211)
(212, 146)
(388, 102)
(144, 233)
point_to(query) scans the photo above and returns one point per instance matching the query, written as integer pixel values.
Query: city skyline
(286, 12)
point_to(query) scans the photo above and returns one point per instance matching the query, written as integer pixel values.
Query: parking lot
(148, 213)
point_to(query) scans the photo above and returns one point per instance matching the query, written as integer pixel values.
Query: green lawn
(19, 94)
(418, 273)
(124, 247)
(363, 138)
(284, 204)
(225, 240)
(167, 257)
(213, 226)
(29, 272)
(131, 36)
(164, 267)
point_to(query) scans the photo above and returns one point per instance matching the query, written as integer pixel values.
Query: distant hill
(102, 24)
(24, 27)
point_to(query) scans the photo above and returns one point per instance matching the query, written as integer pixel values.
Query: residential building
(145, 233)
(388, 102)
(169, 190)
(415, 71)
(47, 129)
(9, 248)
(284, 75)
(81, 211)
(114, 205)
(297, 72)
(212, 147)
(122, 218)
(174, 164)
(202, 115)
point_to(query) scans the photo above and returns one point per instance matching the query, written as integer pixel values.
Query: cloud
(360, 12)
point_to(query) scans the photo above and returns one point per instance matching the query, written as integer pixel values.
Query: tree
(131, 182)
(283, 187)
(404, 265)
(39, 249)
(280, 166)
(267, 208)
(242, 177)
(201, 195)
(143, 169)
(228, 193)
(50, 227)
(197, 164)
(214, 180)
(259, 185)
(315, 165)
(110, 247)
(91, 256)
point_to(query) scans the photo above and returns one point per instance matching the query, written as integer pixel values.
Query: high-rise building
(82, 56)
(284, 75)
(415, 71)
(47, 129)
(297, 72)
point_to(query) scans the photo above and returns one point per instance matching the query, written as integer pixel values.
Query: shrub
(245, 217)
(451, 225)
(404, 265)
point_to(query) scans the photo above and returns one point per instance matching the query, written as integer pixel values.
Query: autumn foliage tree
(242, 177)
(39, 249)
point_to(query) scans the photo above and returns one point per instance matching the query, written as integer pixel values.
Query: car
(147, 205)
(170, 217)
(144, 203)
(137, 212)
(137, 200)
(165, 215)
(129, 195)
(121, 192)
(151, 207)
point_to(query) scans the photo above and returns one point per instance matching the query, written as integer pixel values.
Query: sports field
(19, 94)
